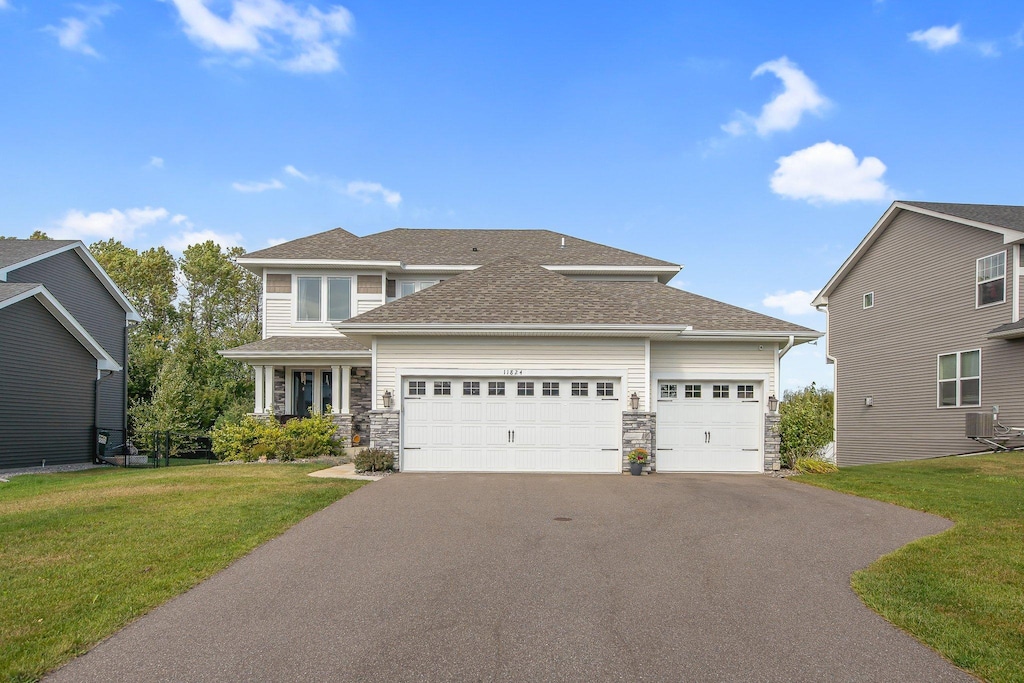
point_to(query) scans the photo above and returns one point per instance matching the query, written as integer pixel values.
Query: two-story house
(924, 325)
(514, 350)
(63, 353)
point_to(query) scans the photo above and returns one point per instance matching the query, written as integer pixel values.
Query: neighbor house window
(442, 388)
(992, 279)
(417, 388)
(869, 300)
(960, 379)
(669, 390)
(495, 388)
(579, 389)
(339, 298)
(605, 389)
(471, 388)
(309, 299)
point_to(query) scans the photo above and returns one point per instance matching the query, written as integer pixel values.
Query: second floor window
(314, 292)
(992, 279)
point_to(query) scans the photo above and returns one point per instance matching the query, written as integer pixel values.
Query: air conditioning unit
(979, 426)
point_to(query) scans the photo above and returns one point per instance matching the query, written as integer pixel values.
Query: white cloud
(827, 172)
(121, 225)
(178, 243)
(937, 37)
(73, 32)
(296, 173)
(3, 4)
(365, 192)
(257, 186)
(300, 40)
(797, 302)
(799, 96)
(156, 162)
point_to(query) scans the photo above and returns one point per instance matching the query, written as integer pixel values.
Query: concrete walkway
(346, 471)
(545, 578)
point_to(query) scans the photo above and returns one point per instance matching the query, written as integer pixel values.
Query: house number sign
(512, 372)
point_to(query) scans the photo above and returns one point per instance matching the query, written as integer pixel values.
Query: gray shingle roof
(16, 251)
(324, 344)
(1009, 330)
(422, 246)
(512, 292)
(994, 214)
(9, 290)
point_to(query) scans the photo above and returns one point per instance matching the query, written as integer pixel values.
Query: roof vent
(562, 245)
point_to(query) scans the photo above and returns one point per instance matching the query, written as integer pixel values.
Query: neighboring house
(924, 325)
(513, 350)
(63, 353)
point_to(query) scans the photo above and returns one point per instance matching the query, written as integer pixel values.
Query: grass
(962, 591)
(82, 554)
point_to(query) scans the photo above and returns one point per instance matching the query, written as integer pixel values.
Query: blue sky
(756, 142)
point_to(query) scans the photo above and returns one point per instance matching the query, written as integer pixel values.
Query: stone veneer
(360, 401)
(772, 442)
(384, 430)
(279, 391)
(638, 431)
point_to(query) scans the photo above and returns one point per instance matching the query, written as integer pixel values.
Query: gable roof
(511, 293)
(15, 292)
(453, 247)
(1008, 221)
(333, 344)
(18, 253)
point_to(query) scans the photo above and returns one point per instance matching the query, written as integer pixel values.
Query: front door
(302, 392)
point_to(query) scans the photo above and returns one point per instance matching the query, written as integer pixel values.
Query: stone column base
(384, 431)
(639, 431)
(772, 442)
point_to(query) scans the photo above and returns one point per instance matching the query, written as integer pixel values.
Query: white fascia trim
(485, 328)
(1010, 236)
(798, 338)
(438, 269)
(104, 361)
(131, 314)
(246, 355)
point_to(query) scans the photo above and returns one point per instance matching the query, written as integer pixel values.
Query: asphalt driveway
(474, 577)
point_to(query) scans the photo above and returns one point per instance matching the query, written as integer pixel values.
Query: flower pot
(636, 468)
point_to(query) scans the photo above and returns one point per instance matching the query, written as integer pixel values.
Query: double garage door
(511, 424)
(711, 426)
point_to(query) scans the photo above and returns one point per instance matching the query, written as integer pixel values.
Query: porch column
(346, 385)
(336, 399)
(268, 388)
(260, 393)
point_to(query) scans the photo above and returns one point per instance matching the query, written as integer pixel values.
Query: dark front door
(302, 392)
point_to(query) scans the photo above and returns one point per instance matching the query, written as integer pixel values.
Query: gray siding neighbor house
(63, 353)
(924, 326)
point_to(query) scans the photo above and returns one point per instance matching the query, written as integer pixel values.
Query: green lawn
(961, 592)
(84, 553)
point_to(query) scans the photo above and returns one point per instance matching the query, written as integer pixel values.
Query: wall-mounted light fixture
(773, 404)
(634, 401)
(387, 400)
(869, 401)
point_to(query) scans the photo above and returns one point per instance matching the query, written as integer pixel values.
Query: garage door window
(744, 391)
(417, 388)
(495, 388)
(471, 388)
(669, 390)
(691, 391)
(720, 391)
(580, 388)
(525, 389)
(605, 389)
(442, 388)
(549, 388)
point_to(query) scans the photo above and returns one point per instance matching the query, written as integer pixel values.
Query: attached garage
(511, 424)
(710, 426)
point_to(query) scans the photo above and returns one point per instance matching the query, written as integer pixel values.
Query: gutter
(785, 349)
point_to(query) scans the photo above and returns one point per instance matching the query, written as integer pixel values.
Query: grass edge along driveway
(961, 591)
(85, 553)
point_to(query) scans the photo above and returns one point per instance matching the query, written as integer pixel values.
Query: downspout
(785, 349)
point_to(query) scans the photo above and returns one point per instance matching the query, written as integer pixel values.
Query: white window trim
(957, 380)
(864, 300)
(978, 283)
(324, 291)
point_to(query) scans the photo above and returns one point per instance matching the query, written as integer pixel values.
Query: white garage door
(487, 424)
(709, 427)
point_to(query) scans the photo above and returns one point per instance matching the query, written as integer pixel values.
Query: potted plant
(637, 460)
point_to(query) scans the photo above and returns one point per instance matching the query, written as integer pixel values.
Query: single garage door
(521, 424)
(712, 426)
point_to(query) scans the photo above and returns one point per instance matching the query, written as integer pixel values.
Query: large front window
(309, 299)
(339, 298)
(315, 292)
(992, 279)
(960, 379)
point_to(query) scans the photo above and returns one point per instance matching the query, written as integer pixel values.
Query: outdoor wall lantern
(634, 401)
(387, 399)
(773, 403)
(869, 401)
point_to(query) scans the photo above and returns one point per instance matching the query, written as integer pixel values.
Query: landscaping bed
(85, 553)
(962, 591)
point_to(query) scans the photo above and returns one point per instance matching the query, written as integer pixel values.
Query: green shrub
(814, 466)
(375, 460)
(250, 439)
(311, 437)
(806, 424)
